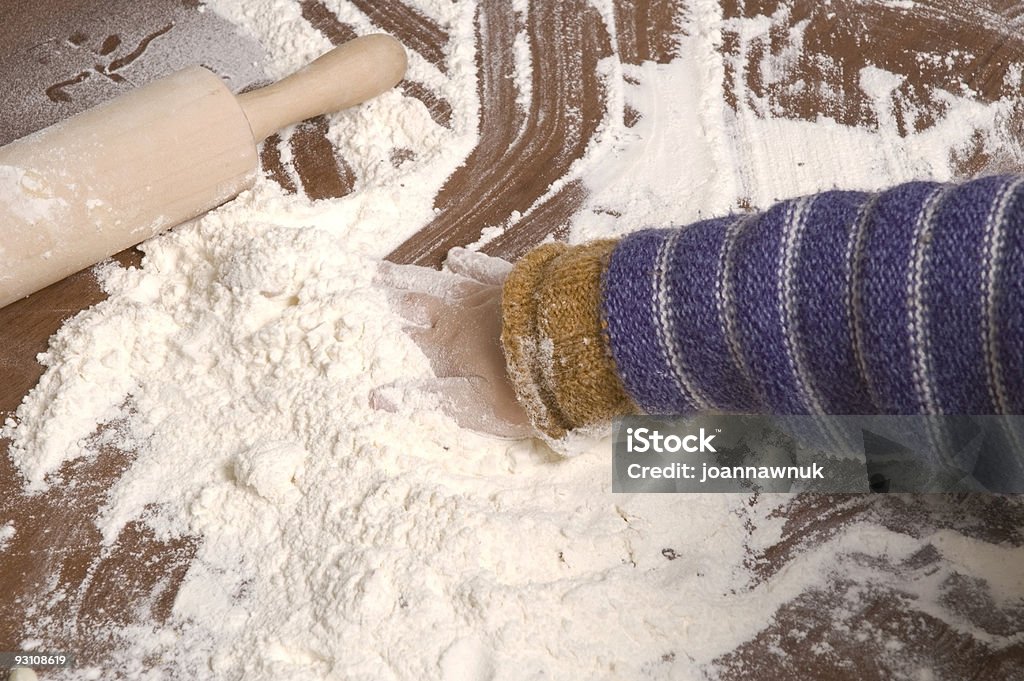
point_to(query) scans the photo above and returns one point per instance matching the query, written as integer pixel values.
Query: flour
(524, 65)
(27, 197)
(74, 60)
(752, 156)
(6, 534)
(338, 541)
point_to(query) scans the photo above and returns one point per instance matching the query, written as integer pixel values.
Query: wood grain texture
(567, 39)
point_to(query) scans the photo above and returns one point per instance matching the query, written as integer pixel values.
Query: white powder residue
(660, 190)
(675, 164)
(691, 156)
(25, 196)
(880, 86)
(85, 54)
(899, 4)
(336, 541)
(291, 42)
(6, 534)
(524, 68)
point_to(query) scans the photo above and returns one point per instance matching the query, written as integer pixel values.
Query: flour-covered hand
(454, 316)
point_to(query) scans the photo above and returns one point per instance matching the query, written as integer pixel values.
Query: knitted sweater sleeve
(908, 301)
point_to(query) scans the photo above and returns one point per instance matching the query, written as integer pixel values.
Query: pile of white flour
(346, 543)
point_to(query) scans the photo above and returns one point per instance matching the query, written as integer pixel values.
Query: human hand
(455, 318)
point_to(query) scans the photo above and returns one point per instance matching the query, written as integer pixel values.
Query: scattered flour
(524, 65)
(26, 196)
(342, 542)
(6, 534)
(690, 156)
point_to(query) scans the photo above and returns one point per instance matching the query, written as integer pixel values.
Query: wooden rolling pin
(111, 177)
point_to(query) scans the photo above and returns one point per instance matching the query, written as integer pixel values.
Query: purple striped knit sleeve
(904, 302)
(1004, 305)
(885, 318)
(820, 297)
(678, 357)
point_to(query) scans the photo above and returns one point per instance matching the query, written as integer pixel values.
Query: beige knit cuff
(555, 346)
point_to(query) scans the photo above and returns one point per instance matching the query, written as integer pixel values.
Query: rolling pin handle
(348, 75)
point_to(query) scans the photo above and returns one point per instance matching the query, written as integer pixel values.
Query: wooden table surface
(62, 56)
